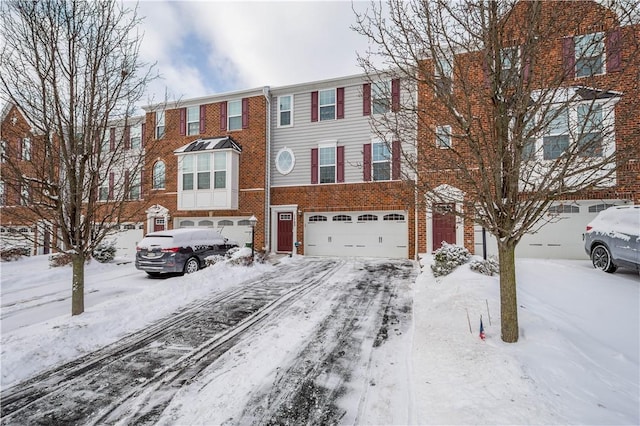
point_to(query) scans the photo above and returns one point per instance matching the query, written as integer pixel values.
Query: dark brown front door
(444, 225)
(285, 232)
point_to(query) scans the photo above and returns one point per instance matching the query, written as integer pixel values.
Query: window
(443, 137)
(342, 218)
(159, 124)
(187, 172)
(367, 218)
(394, 217)
(103, 191)
(563, 208)
(193, 120)
(2, 197)
(381, 161)
(26, 149)
(285, 161)
(234, 115)
(205, 223)
(443, 74)
(25, 195)
(244, 222)
(204, 170)
(510, 63)
(599, 207)
(589, 54)
(327, 104)
(590, 130)
(134, 190)
(158, 175)
(285, 110)
(327, 164)
(223, 223)
(556, 140)
(135, 137)
(187, 223)
(380, 102)
(3, 150)
(220, 170)
(318, 218)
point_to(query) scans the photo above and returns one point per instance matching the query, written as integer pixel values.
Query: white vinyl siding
(350, 132)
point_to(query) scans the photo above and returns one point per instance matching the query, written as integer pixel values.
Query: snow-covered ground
(577, 361)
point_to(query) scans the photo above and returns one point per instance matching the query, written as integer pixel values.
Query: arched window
(158, 175)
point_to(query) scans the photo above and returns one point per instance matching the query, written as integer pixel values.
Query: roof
(209, 144)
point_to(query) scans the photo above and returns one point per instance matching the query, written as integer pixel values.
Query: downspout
(267, 174)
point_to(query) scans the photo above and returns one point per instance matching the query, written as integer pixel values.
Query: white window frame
(283, 110)
(160, 129)
(327, 146)
(135, 187)
(155, 179)
(583, 55)
(26, 149)
(333, 105)
(217, 169)
(386, 160)
(443, 72)
(553, 132)
(380, 97)
(3, 201)
(193, 120)
(441, 133)
(203, 171)
(287, 168)
(135, 136)
(25, 194)
(237, 117)
(512, 55)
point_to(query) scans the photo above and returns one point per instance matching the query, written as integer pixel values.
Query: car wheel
(601, 259)
(191, 266)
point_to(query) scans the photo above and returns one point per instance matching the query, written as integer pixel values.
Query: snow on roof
(205, 144)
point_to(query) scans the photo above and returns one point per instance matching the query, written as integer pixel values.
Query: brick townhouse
(305, 160)
(206, 164)
(603, 77)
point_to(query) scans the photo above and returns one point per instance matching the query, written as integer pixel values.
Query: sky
(577, 360)
(209, 47)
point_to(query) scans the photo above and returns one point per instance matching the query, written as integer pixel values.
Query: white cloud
(248, 44)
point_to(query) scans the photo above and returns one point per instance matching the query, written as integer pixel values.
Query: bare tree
(515, 103)
(73, 70)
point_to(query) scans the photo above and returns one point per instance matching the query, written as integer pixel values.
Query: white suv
(612, 239)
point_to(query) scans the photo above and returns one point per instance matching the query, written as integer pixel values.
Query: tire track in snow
(162, 357)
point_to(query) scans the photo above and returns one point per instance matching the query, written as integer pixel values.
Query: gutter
(267, 175)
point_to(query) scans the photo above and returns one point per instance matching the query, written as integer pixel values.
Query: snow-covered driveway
(297, 345)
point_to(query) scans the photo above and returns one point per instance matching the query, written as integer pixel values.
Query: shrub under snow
(105, 252)
(486, 267)
(448, 257)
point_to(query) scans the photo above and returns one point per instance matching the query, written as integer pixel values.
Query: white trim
(290, 208)
(293, 161)
(278, 111)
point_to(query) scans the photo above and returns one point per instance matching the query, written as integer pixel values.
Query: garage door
(233, 228)
(561, 235)
(366, 234)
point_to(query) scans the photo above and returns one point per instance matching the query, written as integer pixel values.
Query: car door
(625, 238)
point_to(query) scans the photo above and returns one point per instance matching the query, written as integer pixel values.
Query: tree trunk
(508, 298)
(77, 294)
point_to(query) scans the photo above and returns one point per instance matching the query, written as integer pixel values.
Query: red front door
(285, 232)
(444, 225)
(158, 224)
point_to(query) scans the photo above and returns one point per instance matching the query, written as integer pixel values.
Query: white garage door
(366, 234)
(126, 239)
(234, 228)
(561, 235)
